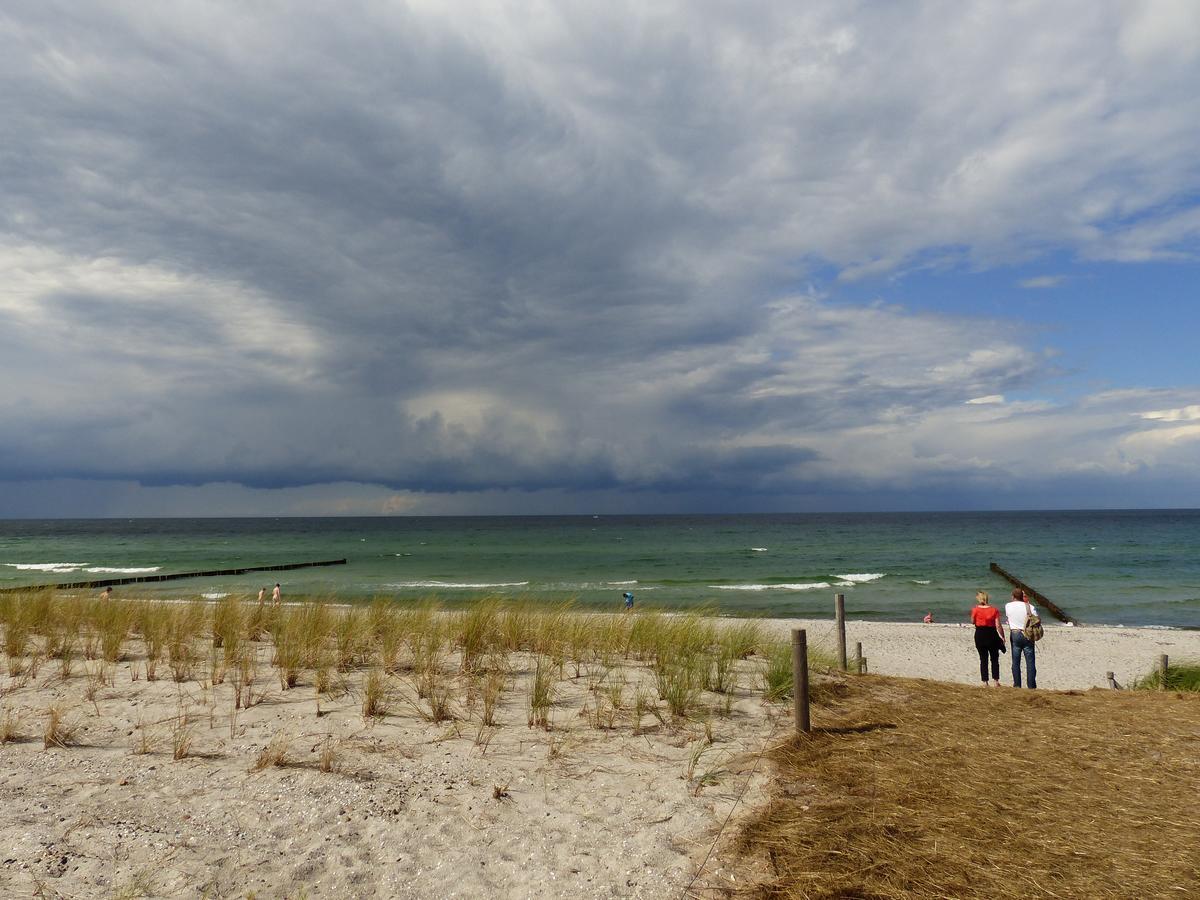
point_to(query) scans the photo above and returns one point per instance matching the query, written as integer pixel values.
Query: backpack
(1033, 629)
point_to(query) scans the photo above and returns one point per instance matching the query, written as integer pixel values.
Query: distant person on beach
(106, 594)
(989, 637)
(275, 594)
(1017, 611)
(262, 594)
(628, 595)
(928, 620)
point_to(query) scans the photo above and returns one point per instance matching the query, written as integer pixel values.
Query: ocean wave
(621, 582)
(213, 595)
(808, 586)
(135, 570)
(862, 578)
(922, 581)
(47, 567)
(458, 584)
(759, 549)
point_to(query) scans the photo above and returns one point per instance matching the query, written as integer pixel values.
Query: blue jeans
(1023, 647)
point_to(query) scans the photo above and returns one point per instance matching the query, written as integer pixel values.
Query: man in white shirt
(1017, 611)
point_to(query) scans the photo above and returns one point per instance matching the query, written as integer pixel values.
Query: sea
(1127, 567)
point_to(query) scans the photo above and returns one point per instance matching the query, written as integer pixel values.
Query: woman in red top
(989, 637)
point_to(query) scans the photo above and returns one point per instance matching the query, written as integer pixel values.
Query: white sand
(412, 813)
(1068, 658)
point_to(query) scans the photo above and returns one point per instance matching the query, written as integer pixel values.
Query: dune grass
(1181, 676)
(684, 666)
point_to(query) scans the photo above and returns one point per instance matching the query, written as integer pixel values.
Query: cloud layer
(409, 252)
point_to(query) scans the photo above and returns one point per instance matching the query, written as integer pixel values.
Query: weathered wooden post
(1162, 672)
(800, 679)
(858, 655)
(1111, 677)
(839, 611)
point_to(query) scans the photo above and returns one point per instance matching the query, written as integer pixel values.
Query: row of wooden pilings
(800, 663)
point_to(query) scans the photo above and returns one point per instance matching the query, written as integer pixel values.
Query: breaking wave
(805, 586)
(47, 567)
(459, 585)
(111, 570)
(863, 578)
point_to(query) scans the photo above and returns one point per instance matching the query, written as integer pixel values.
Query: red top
(985, 615)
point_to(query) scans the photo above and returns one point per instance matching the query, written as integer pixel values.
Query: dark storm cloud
(446, 249)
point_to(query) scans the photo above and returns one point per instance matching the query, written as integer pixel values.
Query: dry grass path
(912, 788)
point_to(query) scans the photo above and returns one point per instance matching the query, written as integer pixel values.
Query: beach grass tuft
(59, 731)
(275, 754)
(376, 695)
(10, 725)
(1181, 676)
(328, 754)
(183, 732)
(541, 693)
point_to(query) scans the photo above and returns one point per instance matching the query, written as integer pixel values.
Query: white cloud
(539, 247)
(1182, 414)
(1042, 281)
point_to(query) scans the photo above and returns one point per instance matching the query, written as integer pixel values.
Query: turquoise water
(1116, 567)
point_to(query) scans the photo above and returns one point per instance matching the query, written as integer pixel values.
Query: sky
(384, 258)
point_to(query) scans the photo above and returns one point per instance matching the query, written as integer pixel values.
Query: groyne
(1036, 595)
(175, 576)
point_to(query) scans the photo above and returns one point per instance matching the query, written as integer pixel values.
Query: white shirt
(1015, 610)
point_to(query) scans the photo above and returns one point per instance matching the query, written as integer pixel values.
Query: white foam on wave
(807, 586)
(47, 567)
(861, 578)
(213, 595)
(458, 584)
(620, 582)
(922, 581)
(134, 570)
(759, 549)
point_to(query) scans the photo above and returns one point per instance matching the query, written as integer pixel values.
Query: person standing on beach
(262, 594)
(989, 636)
(275, 594)
(1017, 611)
(106, 594)
(628, 596)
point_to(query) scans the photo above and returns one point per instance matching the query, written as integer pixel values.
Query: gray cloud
(555, 248)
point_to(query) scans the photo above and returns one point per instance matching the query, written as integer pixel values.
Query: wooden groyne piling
(143, 579)
(1037, 595)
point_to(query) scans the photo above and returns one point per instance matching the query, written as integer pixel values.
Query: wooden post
(1162, 672)
(1112, 679)
(800, 679)
(839, 611)
(858, 655)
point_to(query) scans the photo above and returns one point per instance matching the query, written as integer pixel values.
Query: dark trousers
(1023, 647)
(987, 642)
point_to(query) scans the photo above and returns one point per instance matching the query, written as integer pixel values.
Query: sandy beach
(1068, 657)
(169, 789)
